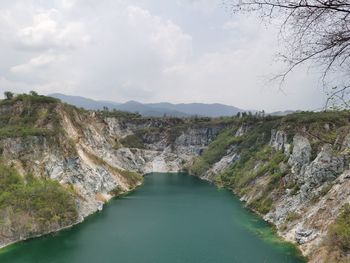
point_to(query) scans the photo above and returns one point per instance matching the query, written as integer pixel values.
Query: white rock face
(242, 130)
(158, 156)
(346, 142)
(225, 162)
(301, 153)
(278, 140)
(326, 167)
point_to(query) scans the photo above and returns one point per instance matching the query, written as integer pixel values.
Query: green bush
(216, 150)
(133, 141)
(244, 171)
(23, 131)
(292, 216)
(35, 116)
(45, 202)
(319, 118)
(133, 178)
(33, 98)
(339, 233)
(199, 167)
(262, 204)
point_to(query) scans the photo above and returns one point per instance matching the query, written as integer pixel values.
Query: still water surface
(172, 218)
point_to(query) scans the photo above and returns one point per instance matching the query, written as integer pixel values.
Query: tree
(8, 95)
(33, 93)
(316, 31)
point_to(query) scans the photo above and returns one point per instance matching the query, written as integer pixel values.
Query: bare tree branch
(316, 31)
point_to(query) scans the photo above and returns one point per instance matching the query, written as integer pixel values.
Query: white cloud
(68, 4)
(49, 31)
(239, 73)
(178, 51)
(204, 6)
(40, 62)
(229, 25)
(164, 37)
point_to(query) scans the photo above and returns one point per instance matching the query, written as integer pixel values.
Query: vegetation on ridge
(29, 115)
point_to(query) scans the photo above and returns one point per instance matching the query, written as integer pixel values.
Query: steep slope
(83, 158)
(294, 172)
(43, 139)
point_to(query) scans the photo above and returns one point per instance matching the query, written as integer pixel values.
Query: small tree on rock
(8, 95)
(33, 93)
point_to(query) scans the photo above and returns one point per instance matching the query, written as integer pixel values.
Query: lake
(172, 218)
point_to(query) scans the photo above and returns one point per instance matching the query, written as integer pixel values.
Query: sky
(177, 51)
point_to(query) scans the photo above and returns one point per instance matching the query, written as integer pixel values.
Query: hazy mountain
(86, 103)
(210, 110)
(153, 109)
(147, 110)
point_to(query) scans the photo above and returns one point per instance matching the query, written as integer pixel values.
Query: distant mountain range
(153, 109)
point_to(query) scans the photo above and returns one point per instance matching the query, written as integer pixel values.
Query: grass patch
(338, 237)
(31, 99)
(133, 141)
(23, 131)
(216, 150)
(262, 204)
(29, 115)
(33, 204)
(133, 178)
(292, 216)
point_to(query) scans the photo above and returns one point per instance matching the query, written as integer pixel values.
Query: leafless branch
(316, 31)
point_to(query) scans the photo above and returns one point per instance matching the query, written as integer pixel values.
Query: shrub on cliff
(133, 141)
(32, 205)
(32, 98)
(338, 237)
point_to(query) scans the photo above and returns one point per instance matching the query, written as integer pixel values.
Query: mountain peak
(154, 109)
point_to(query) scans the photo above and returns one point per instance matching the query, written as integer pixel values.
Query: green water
(172, 218)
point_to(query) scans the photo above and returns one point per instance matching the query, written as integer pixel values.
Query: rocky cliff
(93, 155)
(292, 170)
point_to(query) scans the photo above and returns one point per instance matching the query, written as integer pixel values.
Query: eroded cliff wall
(294, 171)
(93, 156)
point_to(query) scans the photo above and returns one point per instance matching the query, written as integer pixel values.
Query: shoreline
(273, 226)
(278, 236)
(82, 219)
(2, 247)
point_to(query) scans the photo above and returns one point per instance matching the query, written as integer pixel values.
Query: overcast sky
(149, 51)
